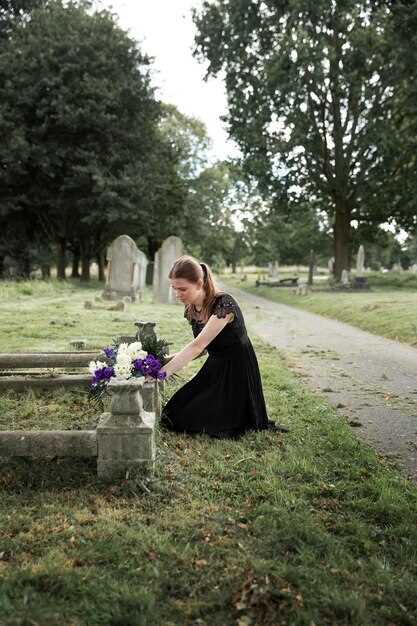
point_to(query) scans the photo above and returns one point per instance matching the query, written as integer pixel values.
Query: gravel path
(370, 380)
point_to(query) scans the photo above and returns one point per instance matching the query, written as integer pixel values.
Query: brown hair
(188, 268)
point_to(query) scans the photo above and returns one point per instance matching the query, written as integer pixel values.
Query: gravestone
(345, 278)
(142, 267)
(171, 249)
(273, 269)
(397, 267)
(330, 265)
(413, 268)
(360, 261)
(124, 271)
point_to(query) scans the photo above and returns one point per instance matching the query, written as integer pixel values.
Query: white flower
(135, 351)
(96, 365)
(124, 359)
(123, 371)
(134, 347)
(122, 349)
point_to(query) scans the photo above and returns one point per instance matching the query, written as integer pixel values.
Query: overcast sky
(165, 30)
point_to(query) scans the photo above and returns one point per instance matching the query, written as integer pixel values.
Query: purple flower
(102, 375)
(109, 352)
(149, 366)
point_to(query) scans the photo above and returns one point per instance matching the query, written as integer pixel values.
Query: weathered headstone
(273, 269)
(397, 267)
(345, 278)
(360, 261)
(330, 265)
(171, 249)
(142, 269)
(124, 271)
(413, 268)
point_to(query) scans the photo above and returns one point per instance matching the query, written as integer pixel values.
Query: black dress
(225, 398)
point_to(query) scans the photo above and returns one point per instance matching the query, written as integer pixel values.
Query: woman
(225, 398)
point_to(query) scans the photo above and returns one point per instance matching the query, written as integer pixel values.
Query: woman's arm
(169, 357)
(193, 349)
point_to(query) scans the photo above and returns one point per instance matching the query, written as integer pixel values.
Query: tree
(308, 98)
(82, 156)
(13, 11)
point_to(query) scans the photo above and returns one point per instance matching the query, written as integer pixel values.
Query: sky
(165, 31)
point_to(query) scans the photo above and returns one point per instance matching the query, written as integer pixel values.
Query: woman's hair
(188, 268)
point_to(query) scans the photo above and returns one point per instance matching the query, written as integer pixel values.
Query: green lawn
(309, 527)
(389, 309)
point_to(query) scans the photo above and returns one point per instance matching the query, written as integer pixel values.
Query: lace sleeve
(224, 306)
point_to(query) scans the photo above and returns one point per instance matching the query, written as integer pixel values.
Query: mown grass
(308, 527)
(388, 310)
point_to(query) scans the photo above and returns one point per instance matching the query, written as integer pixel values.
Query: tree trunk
(342, 239)
(46, 271)
(1, 266)
(85, 265)
(62, 258)
(76, 262)
(153, 247)
(100, 263)
(311, 265)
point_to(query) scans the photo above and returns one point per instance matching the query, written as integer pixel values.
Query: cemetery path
(369, 379)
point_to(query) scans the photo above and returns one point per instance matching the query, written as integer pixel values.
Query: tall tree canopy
(82, 158)
(310, 99)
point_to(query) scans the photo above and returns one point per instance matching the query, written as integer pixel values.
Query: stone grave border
(124, 440)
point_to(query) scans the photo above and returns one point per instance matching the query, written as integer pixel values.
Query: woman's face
(186, 292)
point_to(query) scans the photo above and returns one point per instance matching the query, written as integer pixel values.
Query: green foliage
(159, 348)
(310, 96)
(82, 156)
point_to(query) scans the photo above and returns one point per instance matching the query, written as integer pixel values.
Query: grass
(389, 309)
(308, 527)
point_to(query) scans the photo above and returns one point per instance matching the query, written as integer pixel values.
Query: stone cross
(171, 249)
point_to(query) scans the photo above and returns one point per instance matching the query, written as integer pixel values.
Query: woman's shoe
(275, 426)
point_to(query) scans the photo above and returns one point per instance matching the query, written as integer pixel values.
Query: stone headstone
(330, 265)
(413, 268)
(360, 261)
(345, 278)
(142, 269)
(397, 267)
(273, 269)
(171, 249)
(124, 271)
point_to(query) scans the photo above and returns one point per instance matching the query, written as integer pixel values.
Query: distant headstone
(125, 269)
(142, 267)
(330, 265)
(345, 278)
(171, 249)
(413, 268)
(273, 269)
(397, 267)
(78, 344)
(360, 261)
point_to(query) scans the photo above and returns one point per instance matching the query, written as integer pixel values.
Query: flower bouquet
(127, 360)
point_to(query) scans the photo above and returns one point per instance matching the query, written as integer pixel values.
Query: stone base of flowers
(125, 435)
